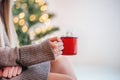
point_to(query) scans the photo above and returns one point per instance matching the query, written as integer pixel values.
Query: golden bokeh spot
(37, 1)
(37, 30)
(41, 19)
(21, 22)
(21, 15)
(44, 30)
(45, 16)
(15, 19)
(41, 2)
(32, 18)
(24, 28)
(43, 8)
(47, 21)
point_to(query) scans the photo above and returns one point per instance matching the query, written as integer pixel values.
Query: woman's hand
(57, 46)
(9, 72)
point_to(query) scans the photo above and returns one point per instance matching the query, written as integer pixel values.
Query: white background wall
(96, 23)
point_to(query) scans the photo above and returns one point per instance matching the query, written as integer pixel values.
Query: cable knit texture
(35, 57)
(8, 56)
(28, 54)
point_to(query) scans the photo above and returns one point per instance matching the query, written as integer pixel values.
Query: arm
(27, 55)
(33, 54)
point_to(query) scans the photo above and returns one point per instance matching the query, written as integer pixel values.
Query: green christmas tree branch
(27, 13)
(43, 34)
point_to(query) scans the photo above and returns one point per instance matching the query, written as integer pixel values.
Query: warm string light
(44, 29)
(24, 28)
(44, 17)
(37, 30)
(47, 21)
(22, 17)
(40, 2)
(43, 8)
(21, 22)
(32, 17)
(15, 20)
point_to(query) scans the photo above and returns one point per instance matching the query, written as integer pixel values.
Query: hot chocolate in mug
(70, 45)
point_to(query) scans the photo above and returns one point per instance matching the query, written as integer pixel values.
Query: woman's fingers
(5, 72)
(58, 49)
(10, 72)
(15, 71)
(57, 46)
(58, 53)
(19, 70)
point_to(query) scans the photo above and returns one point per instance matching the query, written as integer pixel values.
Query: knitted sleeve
(26, 55)
(29, 55)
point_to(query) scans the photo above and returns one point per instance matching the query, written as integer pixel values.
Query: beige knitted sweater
(35, 58)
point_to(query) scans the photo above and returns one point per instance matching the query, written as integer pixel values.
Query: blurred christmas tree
(27, 13)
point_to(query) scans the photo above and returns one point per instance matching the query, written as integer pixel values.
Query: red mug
(70, 45)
